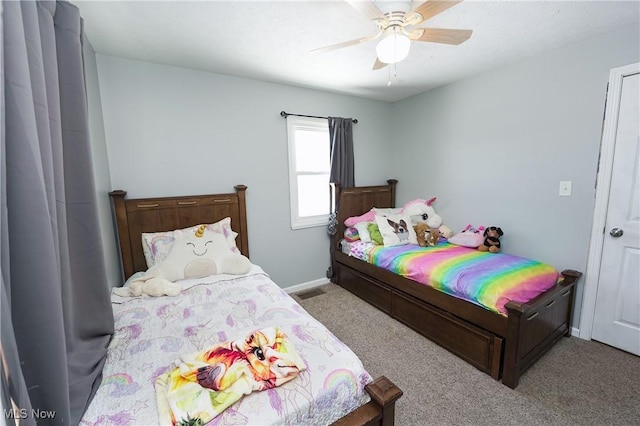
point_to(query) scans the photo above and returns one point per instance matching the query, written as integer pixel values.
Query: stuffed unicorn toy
(425, 212)
(192, 255)
(420, 211)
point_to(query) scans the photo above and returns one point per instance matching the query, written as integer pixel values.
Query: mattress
(486, 279)
(150, 333)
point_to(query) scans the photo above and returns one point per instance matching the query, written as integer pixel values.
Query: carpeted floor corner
(578, 382)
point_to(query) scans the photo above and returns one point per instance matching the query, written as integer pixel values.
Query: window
(309, 167)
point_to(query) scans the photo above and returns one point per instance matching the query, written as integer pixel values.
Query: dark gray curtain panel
(342, 163)
(53, 270)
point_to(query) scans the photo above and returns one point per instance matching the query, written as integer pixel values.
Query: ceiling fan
(395, 27)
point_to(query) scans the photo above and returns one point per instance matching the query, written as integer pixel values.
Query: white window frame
(302, 123)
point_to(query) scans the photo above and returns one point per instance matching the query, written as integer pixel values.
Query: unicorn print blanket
(202, 385)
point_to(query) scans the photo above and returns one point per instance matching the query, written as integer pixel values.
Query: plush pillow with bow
(468, 237)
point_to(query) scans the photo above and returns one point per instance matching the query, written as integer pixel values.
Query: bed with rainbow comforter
(486, 279)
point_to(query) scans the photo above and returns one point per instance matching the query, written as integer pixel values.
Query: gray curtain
(341, 138)
(56, 314)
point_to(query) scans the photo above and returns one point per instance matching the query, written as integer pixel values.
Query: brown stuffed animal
(426, 236)
(492, 239)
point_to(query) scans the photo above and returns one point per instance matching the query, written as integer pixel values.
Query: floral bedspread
(151, 333)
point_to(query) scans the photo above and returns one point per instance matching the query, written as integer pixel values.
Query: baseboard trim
(306, 286)
(575, 332)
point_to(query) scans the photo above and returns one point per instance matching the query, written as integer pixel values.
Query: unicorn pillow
(193, 255)
(199, 254)
(156, 245)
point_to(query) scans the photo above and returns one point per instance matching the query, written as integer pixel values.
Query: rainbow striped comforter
(486, 279)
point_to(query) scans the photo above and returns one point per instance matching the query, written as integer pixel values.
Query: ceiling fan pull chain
(394, 78)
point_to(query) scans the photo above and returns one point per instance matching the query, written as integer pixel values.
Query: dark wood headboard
(360, 199)
(135, 216)
(356, 201)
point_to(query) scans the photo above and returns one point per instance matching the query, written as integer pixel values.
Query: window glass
(309, 167)
(312, 151)
(313, 195)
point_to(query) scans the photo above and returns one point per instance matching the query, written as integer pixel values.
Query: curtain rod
(286, 114)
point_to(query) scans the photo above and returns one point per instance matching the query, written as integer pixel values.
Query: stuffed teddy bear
(427, 237)
(193, 255)
(492, 239)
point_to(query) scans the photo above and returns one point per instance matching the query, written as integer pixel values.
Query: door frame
(603, 188)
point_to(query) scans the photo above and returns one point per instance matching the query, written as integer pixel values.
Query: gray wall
(494, 148)
(175, 131)
(100, 164)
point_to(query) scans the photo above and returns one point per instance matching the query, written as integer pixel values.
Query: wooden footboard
(380, 410)
(536, 326)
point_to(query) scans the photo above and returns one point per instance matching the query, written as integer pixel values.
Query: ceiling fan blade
(378, 64)
(344, 44)
(367, 8)
(440, 35)
(428, 10)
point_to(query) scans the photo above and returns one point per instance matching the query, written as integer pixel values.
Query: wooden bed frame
(135, 216)
(503, 347)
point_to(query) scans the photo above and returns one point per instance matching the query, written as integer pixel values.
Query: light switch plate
(565, 188)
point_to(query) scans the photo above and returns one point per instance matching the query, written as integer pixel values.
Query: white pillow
(363, 232)
(396, 230)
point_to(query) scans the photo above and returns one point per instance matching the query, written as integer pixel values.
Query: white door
(616, 320)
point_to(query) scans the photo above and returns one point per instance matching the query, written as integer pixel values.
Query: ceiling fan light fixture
(394, 47)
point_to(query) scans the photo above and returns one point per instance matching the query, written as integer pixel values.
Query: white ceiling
(271, 40)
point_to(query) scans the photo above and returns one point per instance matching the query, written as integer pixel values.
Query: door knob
(616, 232)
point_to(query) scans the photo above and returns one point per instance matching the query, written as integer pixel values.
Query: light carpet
(577, 382)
